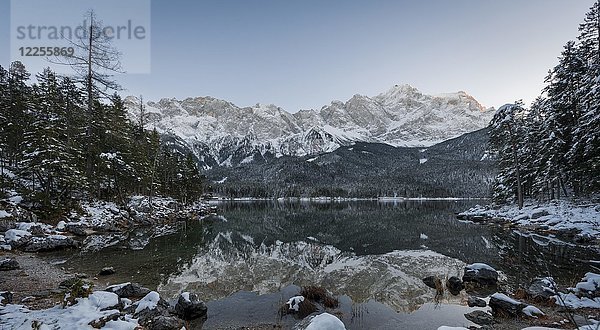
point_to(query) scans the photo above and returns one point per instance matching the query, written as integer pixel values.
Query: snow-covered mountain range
(221, 133)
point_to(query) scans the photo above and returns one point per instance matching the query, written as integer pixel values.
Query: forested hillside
(456, 168)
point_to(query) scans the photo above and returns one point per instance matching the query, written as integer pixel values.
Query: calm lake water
(250, 259)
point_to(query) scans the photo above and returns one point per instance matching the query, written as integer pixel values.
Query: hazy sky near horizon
(304, 54)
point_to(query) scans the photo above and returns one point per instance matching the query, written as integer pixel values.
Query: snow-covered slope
(221, 133)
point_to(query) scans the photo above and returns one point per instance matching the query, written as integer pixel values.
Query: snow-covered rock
(324, 321)
(150, 301)
(50, 243)
(543, 288)
(15, 235)
(128, 290)
(586, 294)
(190, 307)
(532, 311)
(481, 273)
(503, 305)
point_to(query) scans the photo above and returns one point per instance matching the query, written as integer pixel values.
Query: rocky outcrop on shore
(20, 229)
(578, 221)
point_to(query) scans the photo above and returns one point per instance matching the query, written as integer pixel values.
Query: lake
(252, 257)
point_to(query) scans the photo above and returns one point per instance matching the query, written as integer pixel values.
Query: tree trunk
(90, 98)
(517, 169)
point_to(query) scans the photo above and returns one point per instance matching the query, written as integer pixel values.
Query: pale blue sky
(304, 54)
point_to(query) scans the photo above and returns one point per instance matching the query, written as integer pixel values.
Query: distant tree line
(552, 149)
(55, 151)
(436, 178)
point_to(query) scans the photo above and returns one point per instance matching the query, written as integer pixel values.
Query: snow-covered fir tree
(45, 146)
(557, 140)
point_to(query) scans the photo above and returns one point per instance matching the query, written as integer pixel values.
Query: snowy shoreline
(579, 220)
(96, 224)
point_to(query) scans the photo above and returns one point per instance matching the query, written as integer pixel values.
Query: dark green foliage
(77, 288)
(46, 145)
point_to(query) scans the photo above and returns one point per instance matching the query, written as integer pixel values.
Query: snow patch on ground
(590, 283)
(150, 301)
(586, 294)
(13, 235)
(77, 316)
(532, 311)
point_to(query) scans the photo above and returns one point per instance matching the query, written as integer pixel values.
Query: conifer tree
(48, 161)
(506, 136)
(19, 102)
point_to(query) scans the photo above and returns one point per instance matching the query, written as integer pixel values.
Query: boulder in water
(480, 317)
(480, 273)
(476, 302)
(502, 305)
(454, 285)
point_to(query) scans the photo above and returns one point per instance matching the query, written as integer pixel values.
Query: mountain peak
(402, 116)
(401, 90)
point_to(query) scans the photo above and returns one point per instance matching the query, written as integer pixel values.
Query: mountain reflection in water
(372, 254)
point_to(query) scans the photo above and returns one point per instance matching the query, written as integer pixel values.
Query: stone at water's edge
(454, 285)
(190, 307)
(542, 288)
(324, 321)
(163, 322)
(480, 317)
(481, 273)
(157, 316)
(50, 243)
(107, 271)
(476, 302)
(9, 264)
(6, 297)
(128, 290)
(502, 305)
